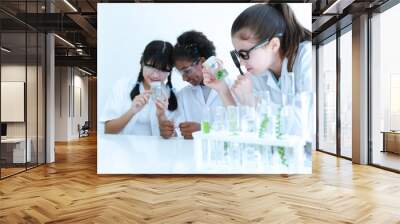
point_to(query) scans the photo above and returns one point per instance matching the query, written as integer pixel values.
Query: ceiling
(76, 22)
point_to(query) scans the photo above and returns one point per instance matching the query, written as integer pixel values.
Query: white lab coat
(144, 122)
(191, 103)
(302, 73)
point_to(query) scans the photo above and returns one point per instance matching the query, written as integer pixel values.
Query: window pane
(386, 89)
(14, 153)
(41, 99)
(31, 100)
(346, 93)
(327, 96)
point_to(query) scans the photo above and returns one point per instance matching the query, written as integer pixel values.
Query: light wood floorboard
(70, 191)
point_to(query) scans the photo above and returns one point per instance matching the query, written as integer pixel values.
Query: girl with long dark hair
(276, 51)
(129, 109)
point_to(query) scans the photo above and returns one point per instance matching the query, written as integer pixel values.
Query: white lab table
(129, 154)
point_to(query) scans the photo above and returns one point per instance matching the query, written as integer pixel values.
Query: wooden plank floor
(70, 191)
(10, 171)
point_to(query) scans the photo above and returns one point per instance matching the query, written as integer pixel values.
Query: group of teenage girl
(267, 40)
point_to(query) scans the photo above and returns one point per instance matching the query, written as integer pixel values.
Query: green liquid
(263, 127)
(281, 152)
(205, 127)
(221, 74)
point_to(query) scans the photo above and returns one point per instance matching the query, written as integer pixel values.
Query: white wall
(67, 115)
(81, 84)
(12, 73)
(61, 103)
(33, 127)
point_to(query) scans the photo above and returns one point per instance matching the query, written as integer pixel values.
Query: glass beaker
(232, 117)
(205, 122)
(219, 119)
(215, 68)
(159, 91)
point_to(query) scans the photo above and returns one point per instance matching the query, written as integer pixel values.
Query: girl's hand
(140, 101)
(243, 89)
(167, 129)
(210, 80)
(161, 107)
(187, 128)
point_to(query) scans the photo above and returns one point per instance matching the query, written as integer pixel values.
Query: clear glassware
(219, 119)
(232, 117)
(215, 68)
(304, 101)
(159, 91)
(264, 113)
(247, 119)
(288, 100)
(205, 122)
(234, 154)
(284, 118)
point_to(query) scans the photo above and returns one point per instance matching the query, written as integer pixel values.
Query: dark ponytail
(172, 101)
(266, 21)
(136, 90)
(157, 54)
(295, 33)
